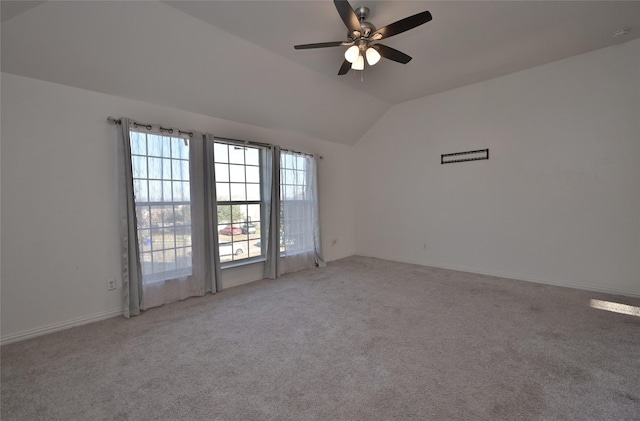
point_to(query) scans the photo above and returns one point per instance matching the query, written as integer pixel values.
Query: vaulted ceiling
(235, 59)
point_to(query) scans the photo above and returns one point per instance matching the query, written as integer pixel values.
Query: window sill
(240, 263)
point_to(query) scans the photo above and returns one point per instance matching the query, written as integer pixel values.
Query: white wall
(557, 202)
(59, 213)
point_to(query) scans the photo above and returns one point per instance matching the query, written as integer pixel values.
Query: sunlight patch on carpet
(615, 307)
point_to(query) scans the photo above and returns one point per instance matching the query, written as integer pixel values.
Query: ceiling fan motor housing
(367, 28)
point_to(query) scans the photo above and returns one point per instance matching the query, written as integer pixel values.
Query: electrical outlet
(111, 284)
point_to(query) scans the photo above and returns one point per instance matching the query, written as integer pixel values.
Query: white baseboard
(508, 275)
(55, 327)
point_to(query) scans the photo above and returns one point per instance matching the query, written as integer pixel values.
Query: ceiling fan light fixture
(352, 53)
(358, 64)
(362, 33)
(373, 56)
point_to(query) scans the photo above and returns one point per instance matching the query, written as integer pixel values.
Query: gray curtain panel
(130, 257)
(316, 212)
(271, 194)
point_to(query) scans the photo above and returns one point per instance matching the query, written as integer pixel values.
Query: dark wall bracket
(450, 158)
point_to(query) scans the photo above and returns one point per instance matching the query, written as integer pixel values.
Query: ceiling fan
(363, 37)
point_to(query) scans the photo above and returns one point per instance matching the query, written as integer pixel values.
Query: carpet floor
(362, 339)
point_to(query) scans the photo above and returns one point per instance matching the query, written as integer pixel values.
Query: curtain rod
(148, 126)
(301, 153)
(117, 121)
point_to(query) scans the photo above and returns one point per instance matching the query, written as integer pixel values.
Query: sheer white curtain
(165, 213)
(300, 246)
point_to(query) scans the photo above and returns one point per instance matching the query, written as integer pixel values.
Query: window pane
(253, 191)
(236, 154)
(144, 239)
(239, 215)
(183, 236)
(253, 213)
(139, 164)
(290, 177)
(154, 145)
(240, 250)
(168, 216)
(255, 247)
(301, 177)
(167, 191)
(288, 161)
(179, 149)
(165, 170)
(180, 170)
(145, 260)
(224, 216)
(220, 152)
(170, 259)
(140, 190)
(225, 251)
(182, 215)
(166, 147)
(155, 191)
(289, 193)
(156, 216)
(138, 143)
(222, 172)
(238, 191)
(252, 156)
(157, 258)
(155, 168)
(156, 238)
(236, 173)
(178, 192)
(169, 240)
(222, 192)
(253, 174)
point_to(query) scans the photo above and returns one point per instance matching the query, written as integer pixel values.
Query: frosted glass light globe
(358, 64)
(352, 53)
(373, 56)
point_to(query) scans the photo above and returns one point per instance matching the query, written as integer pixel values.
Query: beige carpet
(363, 339)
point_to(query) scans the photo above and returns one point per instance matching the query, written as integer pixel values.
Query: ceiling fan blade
(348, 15)
(321, 45)
(344, 69)
(402, 25)
(392, 54)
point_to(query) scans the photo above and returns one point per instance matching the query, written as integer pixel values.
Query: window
(240, 202)
(162, 190)
(167, 204)
(296, 204)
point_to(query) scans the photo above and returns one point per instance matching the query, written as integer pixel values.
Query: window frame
(148, 205)
(262, 203)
